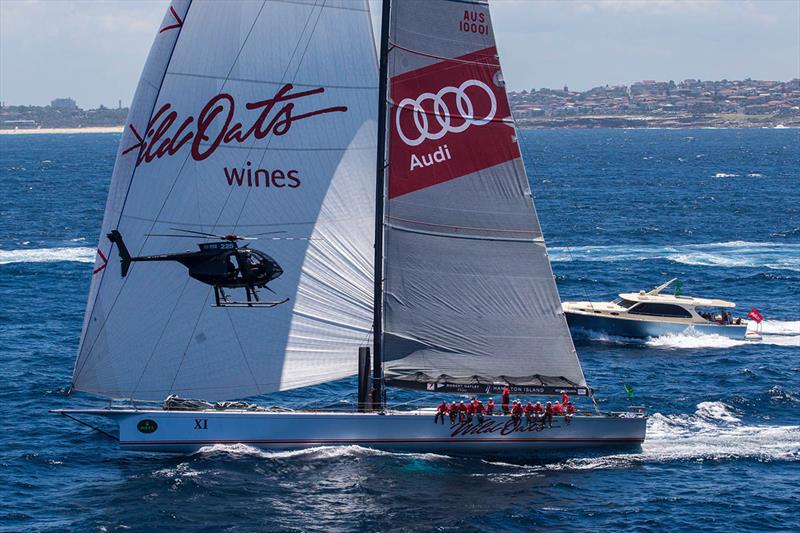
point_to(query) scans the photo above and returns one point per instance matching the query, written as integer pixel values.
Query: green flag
(629, 390)
(677, 287)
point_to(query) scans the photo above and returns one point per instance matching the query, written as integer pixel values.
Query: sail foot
(535, 385)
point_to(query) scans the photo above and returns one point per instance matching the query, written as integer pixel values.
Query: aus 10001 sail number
(215, 127)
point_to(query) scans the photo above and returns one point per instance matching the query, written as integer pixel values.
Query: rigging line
(241, 348)
(416, 110)
(77, 372)
(442, 58)
(160, 336)
(498, 230)
(269, 139)
(186, 349)
(79, 421)
(230, 193)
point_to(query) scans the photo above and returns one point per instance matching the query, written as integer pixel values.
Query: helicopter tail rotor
(124, 256)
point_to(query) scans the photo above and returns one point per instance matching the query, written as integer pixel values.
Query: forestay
(249, 117)
(470, 302)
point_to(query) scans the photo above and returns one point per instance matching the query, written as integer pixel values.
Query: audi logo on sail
(465, 109)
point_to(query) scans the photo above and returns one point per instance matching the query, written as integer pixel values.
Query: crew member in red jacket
(516, 411)
(569, 411)
(506, 398)
(529, 412)
(462, 411)
(490, 407)
(453, 412)
(557, 408)
(538, 411)
(470, 411)
(564, 398)
(440, 412)
(479, 410)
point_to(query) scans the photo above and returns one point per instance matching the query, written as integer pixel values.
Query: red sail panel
(450, 119)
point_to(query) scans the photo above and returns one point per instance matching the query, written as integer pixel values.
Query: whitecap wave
(713, 432)
(772, 255)
(48, 255)
(725, 175)
(313, 453)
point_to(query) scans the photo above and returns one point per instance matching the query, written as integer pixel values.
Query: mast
(380, 186)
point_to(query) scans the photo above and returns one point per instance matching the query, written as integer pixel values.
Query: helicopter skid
(250, 304)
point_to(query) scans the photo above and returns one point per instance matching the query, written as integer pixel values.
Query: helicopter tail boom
(124, 256)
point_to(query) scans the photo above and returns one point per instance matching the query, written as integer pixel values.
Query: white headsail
(249, 117)
(470, 302)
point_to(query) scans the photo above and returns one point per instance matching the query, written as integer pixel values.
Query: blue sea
(622, 210)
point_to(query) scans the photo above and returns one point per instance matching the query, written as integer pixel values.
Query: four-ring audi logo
(464, 107)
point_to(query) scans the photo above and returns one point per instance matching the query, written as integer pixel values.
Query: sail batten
(470, 301)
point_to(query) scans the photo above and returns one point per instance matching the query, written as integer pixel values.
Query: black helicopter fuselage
(222, 264)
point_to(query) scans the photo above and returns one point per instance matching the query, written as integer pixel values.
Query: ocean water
(622, 210)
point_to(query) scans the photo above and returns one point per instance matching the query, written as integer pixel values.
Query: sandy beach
(49, 131)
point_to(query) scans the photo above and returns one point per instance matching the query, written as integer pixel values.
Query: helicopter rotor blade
(265, 233)
(203, 233)
(168, 235)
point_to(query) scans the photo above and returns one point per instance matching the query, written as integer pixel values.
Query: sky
(94, 50)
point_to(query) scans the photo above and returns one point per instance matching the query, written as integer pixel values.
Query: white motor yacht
(652, 314)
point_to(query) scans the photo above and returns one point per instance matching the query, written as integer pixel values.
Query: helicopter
(223, 265)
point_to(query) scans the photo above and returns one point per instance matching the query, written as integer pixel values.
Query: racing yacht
(653, 314)
(399, 177)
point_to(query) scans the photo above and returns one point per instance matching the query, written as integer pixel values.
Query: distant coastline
(676, 122)
(689, 104)
(56, 131)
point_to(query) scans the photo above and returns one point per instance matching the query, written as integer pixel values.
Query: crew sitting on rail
(480, 410)
(529, 412)
(453, 411)
(558, 409)
(470, 411)
(490, 407)
(462, 411)
(548, 415)
(516, 411)
(569, 411)
(440, 412)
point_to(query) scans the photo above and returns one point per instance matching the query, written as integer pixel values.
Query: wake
(773, 332)
(712, 433)
(772, 255)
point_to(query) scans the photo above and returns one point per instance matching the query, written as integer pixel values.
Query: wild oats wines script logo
(214, 126)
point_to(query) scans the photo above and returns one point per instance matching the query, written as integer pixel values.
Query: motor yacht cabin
(652, 314)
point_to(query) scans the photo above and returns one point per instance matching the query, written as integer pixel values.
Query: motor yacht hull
(640, 328)
(188, 431)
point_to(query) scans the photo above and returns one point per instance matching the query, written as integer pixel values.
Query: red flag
(755, 315)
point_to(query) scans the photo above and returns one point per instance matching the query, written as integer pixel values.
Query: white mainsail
(470, 302)
(249, 117)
